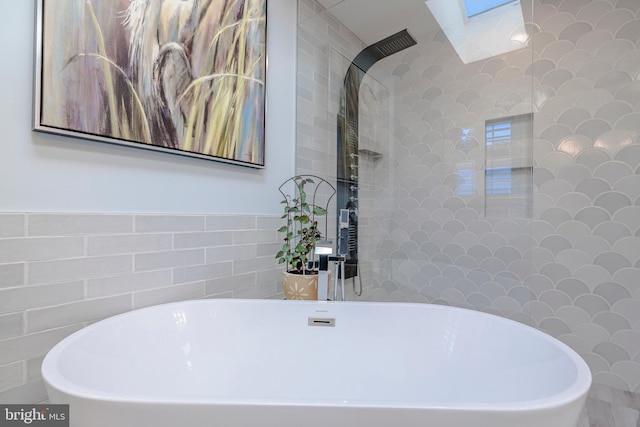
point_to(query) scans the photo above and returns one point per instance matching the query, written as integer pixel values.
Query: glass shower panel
(423, 232)
(368, 166)
(565, 260)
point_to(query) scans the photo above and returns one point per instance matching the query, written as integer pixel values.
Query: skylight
(480, 29)
(477, 7)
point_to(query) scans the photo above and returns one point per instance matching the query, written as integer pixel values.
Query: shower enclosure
(436, 214)
(499, 178)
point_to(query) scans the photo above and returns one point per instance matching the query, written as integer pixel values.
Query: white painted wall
(50, 173)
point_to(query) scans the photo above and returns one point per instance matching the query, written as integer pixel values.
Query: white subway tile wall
(573, 269)
(61, 272)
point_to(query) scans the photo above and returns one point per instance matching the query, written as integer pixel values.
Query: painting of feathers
(182, 76)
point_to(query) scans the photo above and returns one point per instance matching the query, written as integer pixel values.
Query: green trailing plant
(301, 230)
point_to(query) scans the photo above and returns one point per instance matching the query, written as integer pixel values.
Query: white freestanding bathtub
(241, 363)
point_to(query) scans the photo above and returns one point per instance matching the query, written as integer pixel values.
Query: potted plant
(301, 233)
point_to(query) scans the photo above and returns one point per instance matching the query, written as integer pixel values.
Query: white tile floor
(609, 407)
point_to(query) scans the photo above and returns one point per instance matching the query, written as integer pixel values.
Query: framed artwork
(180, 76)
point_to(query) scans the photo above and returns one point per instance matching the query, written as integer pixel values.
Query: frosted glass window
(509, 167)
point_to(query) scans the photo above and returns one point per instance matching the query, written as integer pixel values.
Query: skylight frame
(494, 32)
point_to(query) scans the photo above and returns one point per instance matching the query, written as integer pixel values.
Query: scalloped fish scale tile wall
(573, 269)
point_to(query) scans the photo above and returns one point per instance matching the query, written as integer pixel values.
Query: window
(498, 133)
(509, 167)
(479, 29)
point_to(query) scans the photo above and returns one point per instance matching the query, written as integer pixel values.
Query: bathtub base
(86, 413)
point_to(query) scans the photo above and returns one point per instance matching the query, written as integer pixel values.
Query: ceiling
(374, 20)
(497, 30)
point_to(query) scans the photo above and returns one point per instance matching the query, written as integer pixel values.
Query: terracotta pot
(298, 286)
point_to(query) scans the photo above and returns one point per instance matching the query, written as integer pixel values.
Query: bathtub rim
(52, 378)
